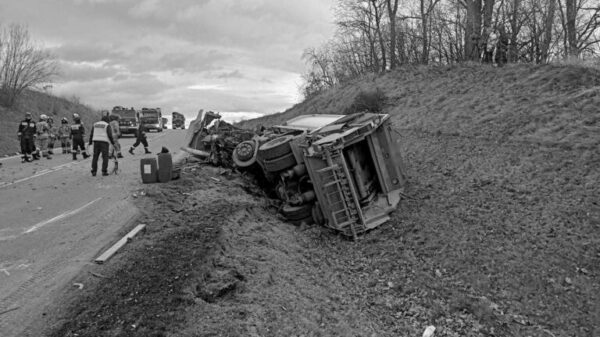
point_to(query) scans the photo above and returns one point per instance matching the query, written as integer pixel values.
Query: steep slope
(549, 104)
(38, 103)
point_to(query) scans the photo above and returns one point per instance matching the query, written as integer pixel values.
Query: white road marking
(5, 271)
(11, 157)
(38, 174)
(59, 217)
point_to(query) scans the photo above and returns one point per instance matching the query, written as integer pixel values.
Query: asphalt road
(55, 218)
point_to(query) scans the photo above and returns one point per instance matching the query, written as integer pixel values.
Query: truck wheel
(244, 153)
(280, 163)
(297, 212)
(275, 147)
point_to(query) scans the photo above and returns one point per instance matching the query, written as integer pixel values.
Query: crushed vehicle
(177, 120)
(340, 171)
(128, 119)
(214, 140)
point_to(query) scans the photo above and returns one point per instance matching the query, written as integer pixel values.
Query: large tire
(275, 148)
(244, 154)
(281, 163)
(297, 212)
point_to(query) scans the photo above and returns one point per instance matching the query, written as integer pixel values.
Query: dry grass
(38, 103)
(551, 104)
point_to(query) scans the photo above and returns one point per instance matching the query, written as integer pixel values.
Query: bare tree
(473, 40)
(23, 65)
(426, 7)
(547, 40)
(392, 7)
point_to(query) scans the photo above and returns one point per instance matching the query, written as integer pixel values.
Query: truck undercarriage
(340, 171)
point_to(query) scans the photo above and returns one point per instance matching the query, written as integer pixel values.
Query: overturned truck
(339, 171)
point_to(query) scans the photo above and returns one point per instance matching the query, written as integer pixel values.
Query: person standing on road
(102, 138)
(64, 134)
(116, 132)
(141, 138)
(52, 131)
(43, 132)
(27, 133)
(77, 134)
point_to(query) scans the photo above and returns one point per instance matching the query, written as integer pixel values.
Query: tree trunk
(473, 30)
(377, 9)
(392, 6)
(548, 31)
(488, 11)
(571, 29)
(425, 33)
(514, 32)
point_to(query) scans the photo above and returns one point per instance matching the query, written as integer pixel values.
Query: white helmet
(43, 117)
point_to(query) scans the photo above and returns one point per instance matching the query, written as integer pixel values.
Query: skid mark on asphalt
(59, 217)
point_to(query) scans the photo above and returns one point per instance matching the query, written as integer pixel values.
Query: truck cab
(177, 120)
(151, 119)
(128, 119)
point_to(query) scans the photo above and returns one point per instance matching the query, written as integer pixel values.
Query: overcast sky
(241, 58)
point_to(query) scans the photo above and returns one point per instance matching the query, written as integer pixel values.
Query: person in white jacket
(102, 137)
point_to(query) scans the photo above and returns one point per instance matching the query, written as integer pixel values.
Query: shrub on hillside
(370, 100)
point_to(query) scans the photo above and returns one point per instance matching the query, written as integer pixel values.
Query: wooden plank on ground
(112, 250)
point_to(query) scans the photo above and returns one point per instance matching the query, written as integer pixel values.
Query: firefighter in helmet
(64, 134)
(27, 133)
(116, 134)
(43, 134)
(77, 135)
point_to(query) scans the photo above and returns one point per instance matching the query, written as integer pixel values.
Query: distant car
(164, 122)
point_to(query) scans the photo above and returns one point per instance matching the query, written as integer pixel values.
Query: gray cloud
(86, 72)
(150, 52)
(232, 74)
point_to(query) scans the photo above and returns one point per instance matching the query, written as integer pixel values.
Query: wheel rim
(245, 151)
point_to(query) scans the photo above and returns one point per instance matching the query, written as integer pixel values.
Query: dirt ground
(499, 234)
(495, 239)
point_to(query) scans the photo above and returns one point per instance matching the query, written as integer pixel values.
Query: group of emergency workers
(38, 138)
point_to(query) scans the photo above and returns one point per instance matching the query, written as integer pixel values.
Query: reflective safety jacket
(27, 129)
(77, 130)
(100, 132)
(43, 129)
(64, 131)
(116, 132)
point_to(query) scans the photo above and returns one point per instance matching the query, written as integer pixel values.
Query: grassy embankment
(500, 235)
(38, 103)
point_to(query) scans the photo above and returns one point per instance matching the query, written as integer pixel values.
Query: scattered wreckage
(339, 171)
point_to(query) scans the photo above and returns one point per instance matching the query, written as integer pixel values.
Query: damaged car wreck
(339, 171)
